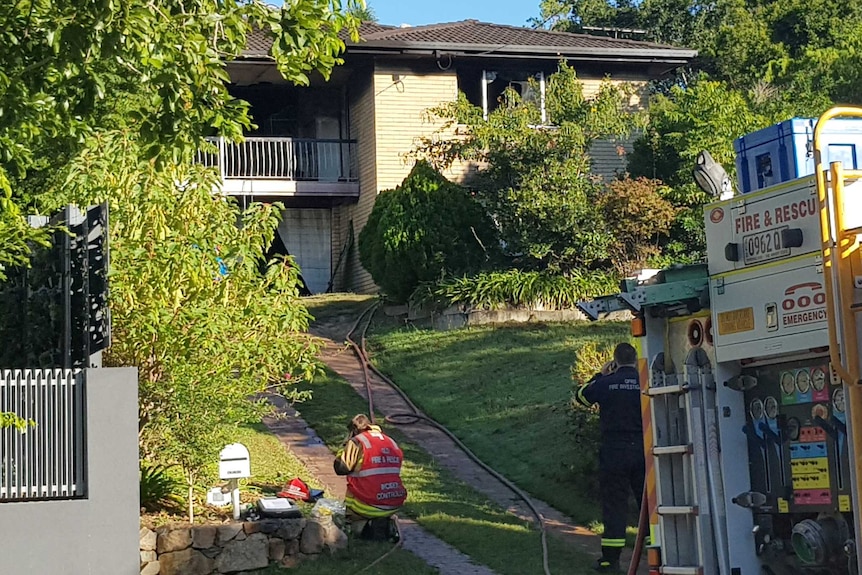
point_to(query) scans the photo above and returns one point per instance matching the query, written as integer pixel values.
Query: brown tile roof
(474, 32)
(259, 42)
(482, 37)
(369, 29)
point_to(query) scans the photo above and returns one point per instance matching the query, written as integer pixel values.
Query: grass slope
(503, 391)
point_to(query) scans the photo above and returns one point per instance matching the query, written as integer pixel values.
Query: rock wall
(236, 547)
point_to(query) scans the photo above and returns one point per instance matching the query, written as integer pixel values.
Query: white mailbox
(234, 462)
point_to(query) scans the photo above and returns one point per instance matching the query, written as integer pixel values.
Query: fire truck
(752, 392)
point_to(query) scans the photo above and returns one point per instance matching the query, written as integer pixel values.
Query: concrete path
(302, 441)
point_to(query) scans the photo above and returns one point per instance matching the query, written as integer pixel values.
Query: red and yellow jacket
(372, 463)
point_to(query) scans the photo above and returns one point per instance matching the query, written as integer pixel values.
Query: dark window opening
(470, 83)
(287, 112)
(529, 86)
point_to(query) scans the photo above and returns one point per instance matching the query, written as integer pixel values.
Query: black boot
(376, 529)
(607, 566)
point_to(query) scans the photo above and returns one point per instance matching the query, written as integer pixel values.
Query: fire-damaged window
(485, 88)
(530, 87)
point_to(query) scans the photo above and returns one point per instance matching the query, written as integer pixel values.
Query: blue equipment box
(785, 151)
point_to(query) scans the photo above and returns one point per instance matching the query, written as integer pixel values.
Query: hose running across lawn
(416, 416)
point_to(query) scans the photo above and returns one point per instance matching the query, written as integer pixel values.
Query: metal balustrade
(47, 460)
(275, 158)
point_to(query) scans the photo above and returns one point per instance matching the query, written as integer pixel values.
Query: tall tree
(109, 101)
(57, 59)
(705, 115)
(190, 307)
(803, 49)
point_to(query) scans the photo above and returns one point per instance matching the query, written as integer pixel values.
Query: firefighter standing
(372, 463)
(616, 389)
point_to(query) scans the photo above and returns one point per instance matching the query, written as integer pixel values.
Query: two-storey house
(327, 150)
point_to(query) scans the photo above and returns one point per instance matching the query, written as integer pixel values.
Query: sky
(418, 12)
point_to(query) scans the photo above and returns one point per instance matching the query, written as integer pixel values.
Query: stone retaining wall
(455, 317)
(236, 547)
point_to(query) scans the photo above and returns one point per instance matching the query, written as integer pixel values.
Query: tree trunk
(191, 503)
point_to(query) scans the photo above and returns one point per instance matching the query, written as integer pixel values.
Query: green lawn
(503, 391)
(442, 504)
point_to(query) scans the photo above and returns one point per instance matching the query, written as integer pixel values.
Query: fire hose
(415, 416)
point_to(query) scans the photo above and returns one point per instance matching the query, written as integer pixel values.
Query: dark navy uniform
(621, 455)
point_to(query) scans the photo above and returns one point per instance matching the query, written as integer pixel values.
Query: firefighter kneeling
(372, 463)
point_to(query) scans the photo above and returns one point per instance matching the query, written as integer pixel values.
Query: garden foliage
(190, 306)
(704, 115)
(426, 229)
(515, 288)
(583, 422)
(535, 178)
(110, 101)
(158, 488)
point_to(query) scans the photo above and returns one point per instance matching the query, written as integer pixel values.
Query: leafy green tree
(535, 179)
(805, 50)
(677, 22)
(16, 235)
(425, 229)
(760, 62)
(109, 101)
(706, 115)
(189, 306)
(58, 60)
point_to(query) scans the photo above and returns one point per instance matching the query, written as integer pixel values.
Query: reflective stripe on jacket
(374, 487)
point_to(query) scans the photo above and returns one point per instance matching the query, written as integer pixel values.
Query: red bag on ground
(296, 489)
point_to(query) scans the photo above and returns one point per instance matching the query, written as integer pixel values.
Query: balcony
(274, 166)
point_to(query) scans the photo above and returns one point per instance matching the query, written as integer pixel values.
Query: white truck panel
(746, 231)
(769, 310)
(741, 549)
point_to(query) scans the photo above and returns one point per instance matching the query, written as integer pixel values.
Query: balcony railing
(293, 159)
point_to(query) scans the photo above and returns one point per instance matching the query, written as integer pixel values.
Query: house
(326, 150)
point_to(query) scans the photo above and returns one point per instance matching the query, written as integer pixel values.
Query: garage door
(306, 234)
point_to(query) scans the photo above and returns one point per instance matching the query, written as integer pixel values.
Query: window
(495, 83)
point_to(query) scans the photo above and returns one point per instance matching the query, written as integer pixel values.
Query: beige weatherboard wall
(401, 99)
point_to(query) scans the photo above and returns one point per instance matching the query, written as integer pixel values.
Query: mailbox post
(234, 464)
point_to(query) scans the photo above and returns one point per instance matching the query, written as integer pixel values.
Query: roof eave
(652, 54)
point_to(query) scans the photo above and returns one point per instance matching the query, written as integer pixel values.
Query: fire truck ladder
(688, 475)
(839, 194)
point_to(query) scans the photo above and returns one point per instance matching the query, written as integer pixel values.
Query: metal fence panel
(47, 461)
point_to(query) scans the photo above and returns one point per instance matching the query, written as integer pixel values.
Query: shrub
(583, 422)
(159, 489)
(517, 288)
(424, 229)
(639, 216)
